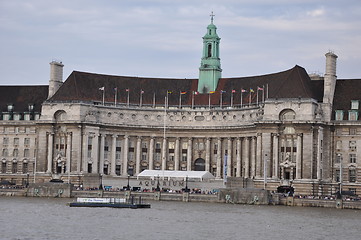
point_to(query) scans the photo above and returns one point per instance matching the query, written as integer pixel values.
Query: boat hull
(110, 205)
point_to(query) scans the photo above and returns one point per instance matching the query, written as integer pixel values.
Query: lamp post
(128, 186)
(186, 189)
(101, 181)
(27, 180)
(340, 175)
(157, 188)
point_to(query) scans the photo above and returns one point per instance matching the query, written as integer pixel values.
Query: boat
(109, 202)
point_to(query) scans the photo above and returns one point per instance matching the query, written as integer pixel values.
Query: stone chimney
(329, 78)
(56, 77)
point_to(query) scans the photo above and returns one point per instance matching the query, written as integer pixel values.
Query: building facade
(286, 128)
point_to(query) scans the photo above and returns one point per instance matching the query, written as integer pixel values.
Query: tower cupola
(210, 69)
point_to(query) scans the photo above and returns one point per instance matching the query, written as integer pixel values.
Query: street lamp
(101, 181)
(128, 186)
(27, 180)
(157, 188)
(186, 189)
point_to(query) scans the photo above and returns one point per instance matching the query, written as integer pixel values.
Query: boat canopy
(162, 174)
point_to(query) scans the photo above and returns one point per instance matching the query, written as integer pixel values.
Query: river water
(50, 218)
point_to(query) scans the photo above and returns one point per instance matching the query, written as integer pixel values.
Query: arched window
(287, 115)
(60, 115)
(209, 50)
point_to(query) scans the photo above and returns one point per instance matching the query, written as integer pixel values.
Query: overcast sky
(163, 38)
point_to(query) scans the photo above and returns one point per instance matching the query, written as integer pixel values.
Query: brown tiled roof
(293, 83)
(22, 96)
(346, 90)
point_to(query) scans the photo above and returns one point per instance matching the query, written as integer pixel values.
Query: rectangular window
(15, 167)
(338, 115)
(352, 145)
(184, 157)
(131, 156)
(354, 104)
(339, 145)
(352, 175)
(184, 145)
(144, 145)
(26, 141)
(16, 141)
(338, 158)
(337, 175)
(117, 170)
(118, 155)
(3, 167)
(16, 153)
(352, 157)
(171, 145)
(157, 156)
(5, 141)
(5, 152)
(144, 156)
(25, 167)
(157, 145)
(26, 153)
(352, 115)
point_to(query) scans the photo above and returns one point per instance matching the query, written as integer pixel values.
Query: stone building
(285, 128)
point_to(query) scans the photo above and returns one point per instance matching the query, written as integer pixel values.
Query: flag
(115, 89)
(259, 88)
(101, 89)
(233, 91)
(127, 90)
(169, 92)
(251, 90)
(195, 92)
(243, 90)
(141, 91)
(183, 93)
(211, 92)
(222, 91)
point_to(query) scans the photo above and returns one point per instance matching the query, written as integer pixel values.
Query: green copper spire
(210, 70)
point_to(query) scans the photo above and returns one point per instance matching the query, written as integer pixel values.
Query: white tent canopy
(153, 174)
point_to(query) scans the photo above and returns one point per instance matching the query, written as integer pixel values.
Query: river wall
(226, 195)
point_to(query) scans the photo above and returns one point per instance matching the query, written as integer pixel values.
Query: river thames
(50, 218)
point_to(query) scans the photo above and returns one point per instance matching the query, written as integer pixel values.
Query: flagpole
(141, 98)
(250, 97)
(180, 99)
(128, 98)
(221, 100)
(153, 99)
(232, 98)
(192, 99)
(257, 96)
(241, 97)
(263, 94)
(209, 100)
(115, 97)
(103, 96)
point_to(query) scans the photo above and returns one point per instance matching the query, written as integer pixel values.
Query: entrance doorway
(199, 165)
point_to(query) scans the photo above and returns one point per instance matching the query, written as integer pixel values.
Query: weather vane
(212, 15)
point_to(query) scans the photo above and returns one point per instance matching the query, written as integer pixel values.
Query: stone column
(259, 156)
(238, 158)
(208, 154)
(85, 153)
(176, 154)
(319, 152)
(275, 157)
(68, 153)
(95, 152)
(125, 155)
(299, 157)
(189, 154)
(101, 157)
(253, 157)
(113, 156)
(151, 153)
(229, 157)
(164, 154)
(219, 158)
(50, 152)
(138, 155)
(246, 157)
